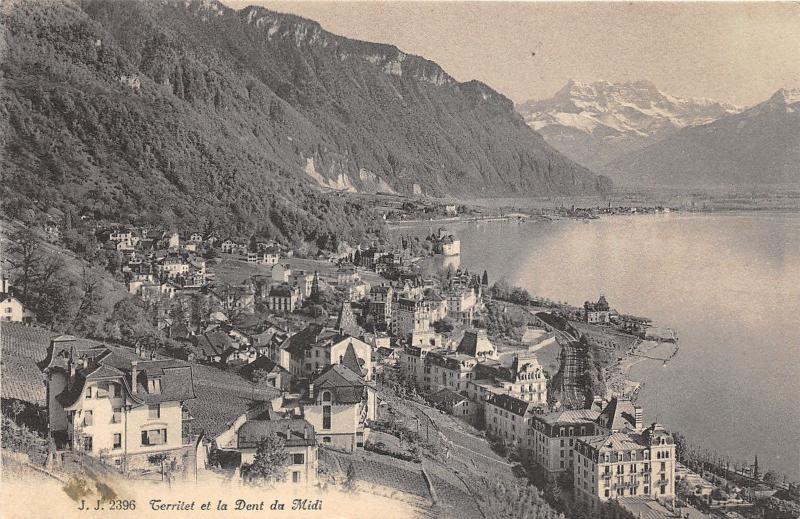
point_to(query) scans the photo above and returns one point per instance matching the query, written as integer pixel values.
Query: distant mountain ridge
(757, 147)
(599, 122)
(190, 110)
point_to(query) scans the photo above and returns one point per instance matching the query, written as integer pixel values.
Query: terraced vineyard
(22, 347)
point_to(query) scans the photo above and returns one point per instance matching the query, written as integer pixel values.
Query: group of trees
(502, 291)
(42, 283)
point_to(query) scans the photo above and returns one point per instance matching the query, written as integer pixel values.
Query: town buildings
(316, 347)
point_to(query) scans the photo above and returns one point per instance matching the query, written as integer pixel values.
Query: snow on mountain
(759, 146)
(596, 123)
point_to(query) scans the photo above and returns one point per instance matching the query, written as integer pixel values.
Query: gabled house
(11, 308)
(108, 402)
(283, 298)
(213, 346)
(315, 347)
(299, 440)
(339, 405)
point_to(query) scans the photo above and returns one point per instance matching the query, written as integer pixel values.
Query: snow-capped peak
(592, 122)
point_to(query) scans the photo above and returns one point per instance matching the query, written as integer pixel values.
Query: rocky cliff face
(193, 109)
(757, 147)
(597, 123)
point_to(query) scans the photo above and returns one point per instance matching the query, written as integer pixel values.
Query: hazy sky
(735, 52)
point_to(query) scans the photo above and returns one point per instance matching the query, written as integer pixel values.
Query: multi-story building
(552, 437)
(283, 298)
(597, 313)
(526, 379)
(615, 465)
(304, 281)
(462, 302)
(299, 442)
(347, 274)
(107, 402)
(339, 404)
(506, 419)
(380, 304)
(446, 370)
(315, 348)
(411, 317)
(11, 308)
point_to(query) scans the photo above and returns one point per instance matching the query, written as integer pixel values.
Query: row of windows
(150, 437)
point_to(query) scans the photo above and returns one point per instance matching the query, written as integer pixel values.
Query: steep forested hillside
(192, 112)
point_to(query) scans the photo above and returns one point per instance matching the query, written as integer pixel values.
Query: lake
(728, 283)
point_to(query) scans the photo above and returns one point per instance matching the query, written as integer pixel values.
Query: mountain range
(191, 111)
(600, 122)
(757, 147)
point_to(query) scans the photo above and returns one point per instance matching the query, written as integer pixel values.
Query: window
(326, 417)
(87, 444)
(295, 476)
(89, 392)
(117, 441)
(154, 386)
(88, 417)
(298, 459)
(663, 489)
(326, 439)
(154, 437)
(117, 416)
(114, 390)
(154, 411)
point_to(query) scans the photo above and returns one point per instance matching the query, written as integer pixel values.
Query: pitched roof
(509, 403)
(264, 363)
(447, 397)
(350, 360)
(618, 415)
(569, 416)
(346, 385)
(346, 321)
(475, 343)
(295, 432)
(176, 382)
(214, 343)
(616, 442)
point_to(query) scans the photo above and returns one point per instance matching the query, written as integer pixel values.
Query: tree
(268, 463)
(485, 279)
(755, 468)
(90, 304)
(24, 256)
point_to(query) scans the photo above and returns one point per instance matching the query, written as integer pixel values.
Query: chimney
(4, 283)
(134, 375)
(637, 414)
(288, 432)
(311, 391)
(305, 432)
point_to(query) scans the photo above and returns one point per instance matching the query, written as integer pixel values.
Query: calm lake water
(728, 283)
